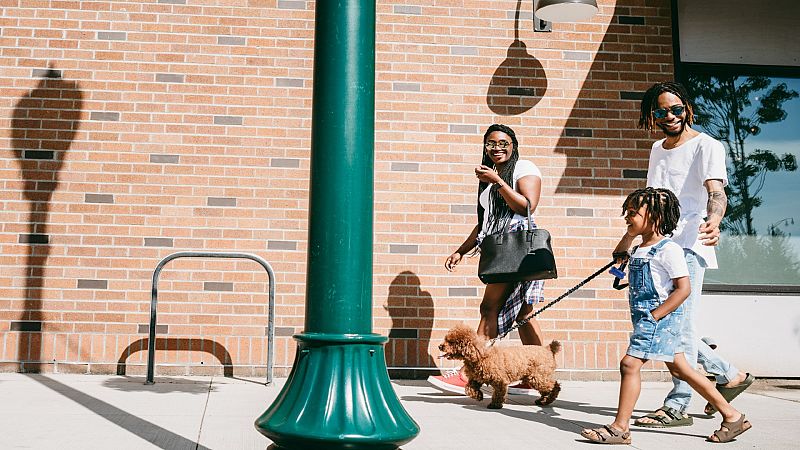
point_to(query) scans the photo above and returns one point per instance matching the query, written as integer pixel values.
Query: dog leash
(561, 297)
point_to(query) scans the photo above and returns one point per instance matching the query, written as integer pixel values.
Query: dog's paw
(495, 406)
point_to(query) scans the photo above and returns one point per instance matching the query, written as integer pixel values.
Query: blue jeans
(695, 350)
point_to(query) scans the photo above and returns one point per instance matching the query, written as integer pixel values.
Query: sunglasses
(491, 145)
(676, 110)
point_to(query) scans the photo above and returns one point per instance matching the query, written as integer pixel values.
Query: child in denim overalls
(659, 284)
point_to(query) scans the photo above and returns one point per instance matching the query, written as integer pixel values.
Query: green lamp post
(338, 394)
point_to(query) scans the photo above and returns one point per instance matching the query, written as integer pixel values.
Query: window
(755, 117)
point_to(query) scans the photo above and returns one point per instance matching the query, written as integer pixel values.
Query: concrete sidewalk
(117, 412)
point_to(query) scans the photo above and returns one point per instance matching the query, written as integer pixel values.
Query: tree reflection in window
(756, 248)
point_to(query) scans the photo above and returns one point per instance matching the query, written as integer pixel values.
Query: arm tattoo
(717, 203)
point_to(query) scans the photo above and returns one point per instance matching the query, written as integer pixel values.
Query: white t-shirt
(668, 263)
(683, 170)
(521, 169)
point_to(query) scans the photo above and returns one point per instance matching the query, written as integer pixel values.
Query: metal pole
(338, 395)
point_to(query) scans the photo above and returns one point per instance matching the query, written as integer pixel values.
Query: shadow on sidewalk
(150, 432)
(163, 385)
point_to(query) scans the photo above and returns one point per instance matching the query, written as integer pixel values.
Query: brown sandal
(729, 430)
(607, 435)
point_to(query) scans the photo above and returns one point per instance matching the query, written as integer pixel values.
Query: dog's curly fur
(498, 366)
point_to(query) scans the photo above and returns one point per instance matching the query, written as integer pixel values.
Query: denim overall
(651, 339)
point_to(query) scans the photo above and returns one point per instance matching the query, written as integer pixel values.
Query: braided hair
(663, 207)
(499, 211)
(650, 102)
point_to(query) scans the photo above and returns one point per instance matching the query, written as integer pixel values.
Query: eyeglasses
(676, 110)
(491, 145)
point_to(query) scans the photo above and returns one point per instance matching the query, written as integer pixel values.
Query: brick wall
(134, 129)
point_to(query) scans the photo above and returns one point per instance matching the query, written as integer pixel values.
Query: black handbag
(514, 256)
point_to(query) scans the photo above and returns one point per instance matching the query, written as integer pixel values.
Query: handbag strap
(508, 224)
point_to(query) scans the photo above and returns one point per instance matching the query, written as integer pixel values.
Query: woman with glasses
(506, 185)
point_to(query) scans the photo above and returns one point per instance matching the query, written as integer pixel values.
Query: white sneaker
(522, 389)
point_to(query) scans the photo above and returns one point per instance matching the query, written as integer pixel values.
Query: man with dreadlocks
(692, 165)
(506, 186)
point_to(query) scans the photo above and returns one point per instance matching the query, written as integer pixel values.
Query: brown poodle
(498, 366)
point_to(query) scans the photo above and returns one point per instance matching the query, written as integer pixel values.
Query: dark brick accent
(157, 242)
(405, 167)
(104, 115)
(578, 132)
(631, 20)
(280, 331)
(406, 87)
(112, 35)
(577, 56)
(522, 92)
(281, 245)
(464, 209)
(221, 201)
(403, 248)
(144, 328)
(38, 154)
(217, 286)
(98, 198)
(34, 239)
(585, 293)
(631, 95)
(173, 2)
(291, 4)
(403, 333)
(227, 120)
(25, 326)
(523, 15)
(92, 284)
(406, 9)
(460, 50)
(463, 129)
(289, 82)
(231, 40)
(46, 73)
(634, 173)
(462, 292)
(170, 77)
(290, 163)
(580, 212)
(164, 159)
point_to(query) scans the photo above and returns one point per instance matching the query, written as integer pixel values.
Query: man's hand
(709, 233)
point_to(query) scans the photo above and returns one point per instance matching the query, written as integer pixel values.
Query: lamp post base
(338, 396)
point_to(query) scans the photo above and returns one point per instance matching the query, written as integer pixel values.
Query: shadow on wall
(606, 153)
(213, 348)
(519, 83)
(43, 126)
(411, 311)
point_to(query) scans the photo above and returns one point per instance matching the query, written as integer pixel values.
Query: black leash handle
(561, 297)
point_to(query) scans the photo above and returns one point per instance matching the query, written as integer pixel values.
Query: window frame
(681, 70)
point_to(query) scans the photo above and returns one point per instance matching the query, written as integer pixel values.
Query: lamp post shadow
(519, 82)
(44, 124)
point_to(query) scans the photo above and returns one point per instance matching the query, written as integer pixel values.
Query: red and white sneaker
(449, 381)
(522, 388)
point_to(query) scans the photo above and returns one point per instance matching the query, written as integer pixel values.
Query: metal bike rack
(151, 343)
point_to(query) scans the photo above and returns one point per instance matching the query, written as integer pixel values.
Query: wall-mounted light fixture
(547, 11)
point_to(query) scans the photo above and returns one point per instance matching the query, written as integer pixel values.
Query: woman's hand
(452, 261)
(487, 174)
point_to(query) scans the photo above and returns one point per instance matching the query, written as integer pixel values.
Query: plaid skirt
(530, 292)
